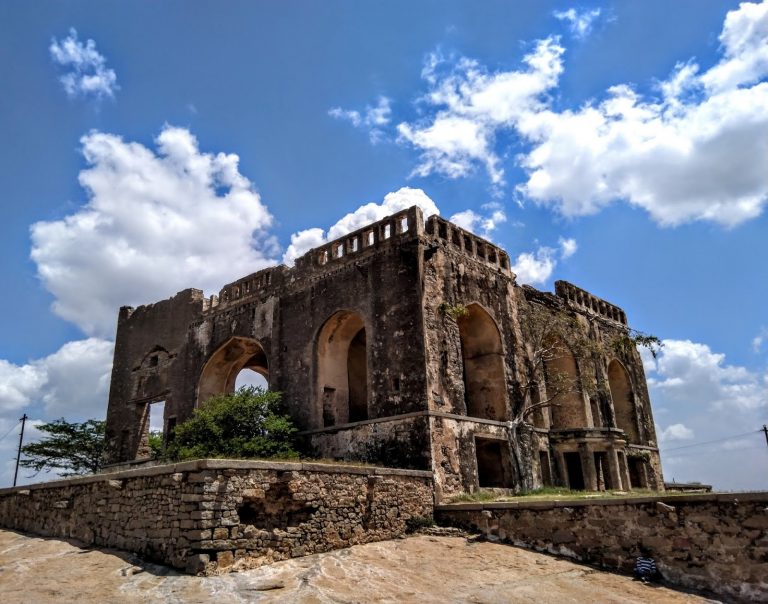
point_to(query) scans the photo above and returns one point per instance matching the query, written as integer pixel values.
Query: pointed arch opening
(342, 370)
(485, 391)
(222, 369)
(623, 400)
(562, 382)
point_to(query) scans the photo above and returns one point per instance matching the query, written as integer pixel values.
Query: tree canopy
(250, 422)
(69, 447)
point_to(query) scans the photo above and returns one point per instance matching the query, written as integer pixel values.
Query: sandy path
(418, 569)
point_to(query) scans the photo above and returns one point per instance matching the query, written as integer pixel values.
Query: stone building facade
(406, 343)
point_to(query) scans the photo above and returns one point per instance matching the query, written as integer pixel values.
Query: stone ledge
(221, 464)
(561, 503)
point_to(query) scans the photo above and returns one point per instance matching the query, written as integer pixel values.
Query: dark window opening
(637, 478)
(574, 470)
(357, 370)
(492, 463)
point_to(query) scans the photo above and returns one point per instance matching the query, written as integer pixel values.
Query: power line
(11, 430)
(711, 442)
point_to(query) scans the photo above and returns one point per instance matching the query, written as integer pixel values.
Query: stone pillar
(562, 470)
(625, 472)
(588, 467)
(614, 469)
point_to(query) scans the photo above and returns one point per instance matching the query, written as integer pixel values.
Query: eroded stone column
(588, 467)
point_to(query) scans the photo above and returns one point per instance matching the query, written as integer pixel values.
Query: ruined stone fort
(408, 344)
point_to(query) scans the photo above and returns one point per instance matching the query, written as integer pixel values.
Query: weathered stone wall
(211, 515)
(712, 542)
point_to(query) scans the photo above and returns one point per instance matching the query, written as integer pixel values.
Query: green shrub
(249, 423)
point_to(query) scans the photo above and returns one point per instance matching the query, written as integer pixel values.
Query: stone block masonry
(709, 542)
(208, 516)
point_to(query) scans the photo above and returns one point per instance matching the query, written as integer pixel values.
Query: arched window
(222, 369)
(623, 400)
(485, 391)
(342, 370)
(562, 381)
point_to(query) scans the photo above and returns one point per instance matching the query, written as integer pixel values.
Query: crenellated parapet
(246, 287)
(467, 243)
(385, 233)
(591, 304)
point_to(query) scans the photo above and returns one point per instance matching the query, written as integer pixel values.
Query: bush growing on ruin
(249, 423)
(70, 448)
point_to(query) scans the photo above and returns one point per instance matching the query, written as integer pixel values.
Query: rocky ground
(421, 568)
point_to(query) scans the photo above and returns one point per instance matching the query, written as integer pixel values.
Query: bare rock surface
(422, 568)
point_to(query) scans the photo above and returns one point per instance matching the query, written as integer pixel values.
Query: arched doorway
(342, 370)
(485, 392)
(562, 381)
(623, 400)
(221, 371)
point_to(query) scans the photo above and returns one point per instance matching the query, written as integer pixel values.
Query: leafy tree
(70, 447)
(156, 444)
(245, 424)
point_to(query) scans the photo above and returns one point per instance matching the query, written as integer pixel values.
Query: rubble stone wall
(208, 516)
(711, 542)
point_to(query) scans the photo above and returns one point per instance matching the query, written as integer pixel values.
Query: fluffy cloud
(72, 382)
(88, 74)
(579, 21)
(155, 222)
(404, 198)
(692, 152)
(481, 223)
(537, 267)
(697, 393)
(676, 432)
(472, 104)
(759, 340)
(686, 371)
(372, 119)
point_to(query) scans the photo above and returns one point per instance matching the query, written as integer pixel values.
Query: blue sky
(622, 146)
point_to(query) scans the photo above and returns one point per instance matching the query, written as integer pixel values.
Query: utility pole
(24, 419)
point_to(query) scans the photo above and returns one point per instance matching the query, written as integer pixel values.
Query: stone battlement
(467, 243)
(583, 300)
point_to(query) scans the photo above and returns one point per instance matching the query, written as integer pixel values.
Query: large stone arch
(562, 381)
(485, 391)
(623, 400)
(221, 369)
(341, 390)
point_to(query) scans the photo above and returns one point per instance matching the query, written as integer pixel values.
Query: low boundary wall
(712, 542)
(207, 516)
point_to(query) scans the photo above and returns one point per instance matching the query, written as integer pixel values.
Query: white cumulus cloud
(156, 222)
(693, 151)
(72, 382)
(303, 241)
(484, 222)
(689, 372)
(579, 21)
(472, 104)
(372, 118)
(536, 267)
(676, 432)
(723, 405)
(88, 74)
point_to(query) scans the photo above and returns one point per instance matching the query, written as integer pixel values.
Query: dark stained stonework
(407, 343)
